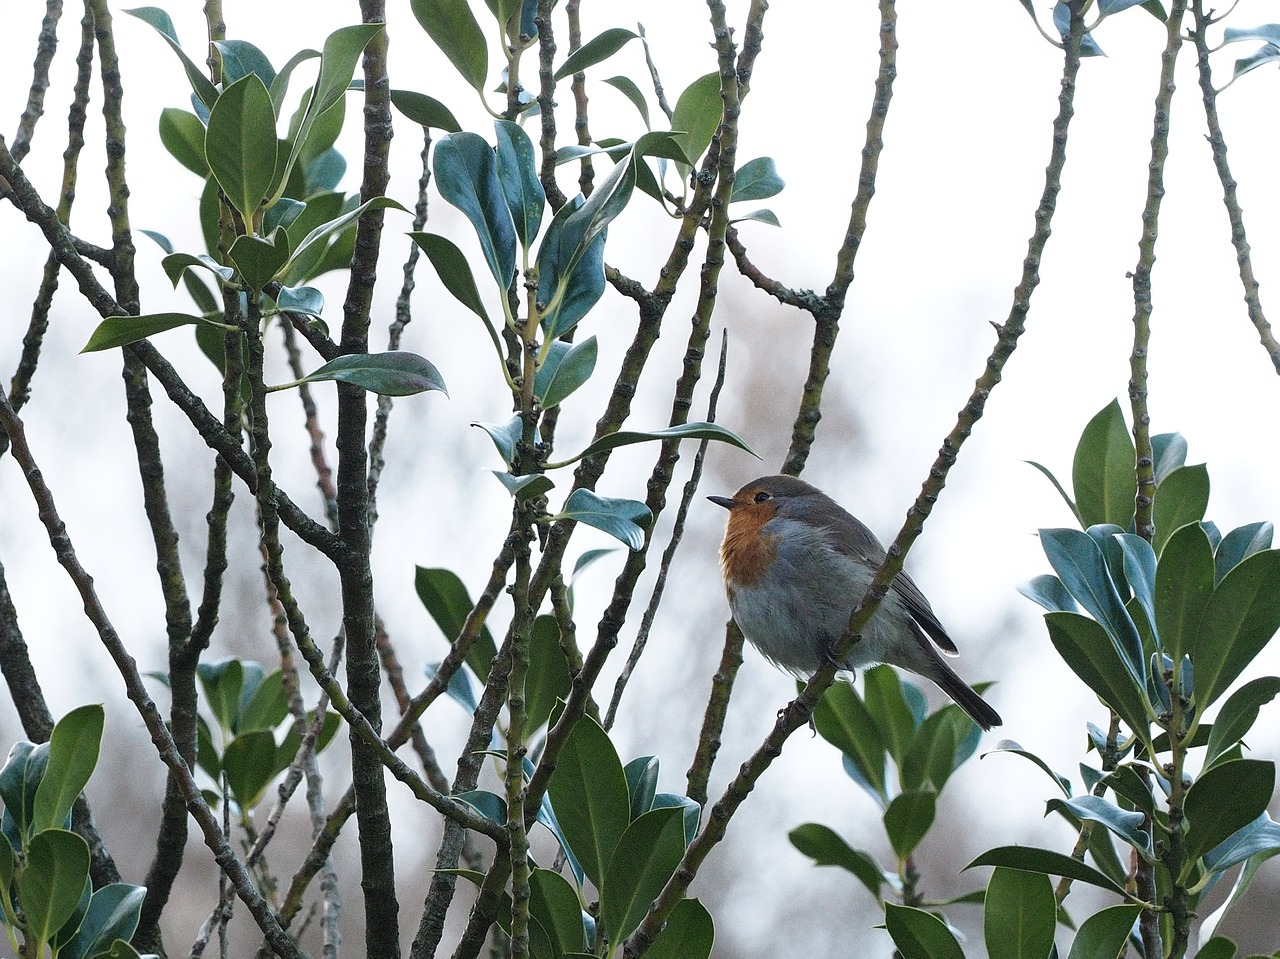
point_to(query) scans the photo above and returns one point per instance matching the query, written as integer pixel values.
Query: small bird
(795, 563)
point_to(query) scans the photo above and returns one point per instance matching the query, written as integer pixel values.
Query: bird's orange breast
(747, 551)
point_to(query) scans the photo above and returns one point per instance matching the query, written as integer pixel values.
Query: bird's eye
(761, 496)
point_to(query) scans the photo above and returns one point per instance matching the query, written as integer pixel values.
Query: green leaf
(685, 431)
(627, 87)
(159, 19)
(466, 172)
(1169, 450)
(454, 29)
(182, 134)
(287, 752)
(842, 719)
(505, 436)
(259, 261)
(595, 50)
(1240, 618)
(697, 115)
(1048, 592)
(1218, 947)
(1184, 585)
(645, 858)
(19, 781)
(882, 690)
(625, 519)
(1031, 859)
(1140, 572)
(1009, 746)
(68, 929)
(306, 300)
(1126, 825)
(51, 884)
(113, 915)
(553, 902)
(688, 934)
(589, 793)
(398, 373)
(566, 297)
(1268, 53)
(1239, 545)
(175, 266)
(526, 486)
(548, 679)
(1019, 916)
(1105, 933)
(1080, 564)
(122, 330)
(825, 847)
(222, 681)
(1181, 499)
(268, 707)
(932, 757)
(250, 765)
(1103, 471)
(518, 174)
(425, 110)
(1257, 842)
(240, 58)
(919, 934)
(1238, 714)
(446, 599)
(908, 818)
(642, 783)
(1048, 474)
(313, 241)
(756, 180)
(451, 266)
(73, 754)
(1225, 799)
(1087, 649)
(240, 143)
(565, 369)
(767, 217)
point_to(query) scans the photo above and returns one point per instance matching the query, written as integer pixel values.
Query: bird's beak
(725, 501)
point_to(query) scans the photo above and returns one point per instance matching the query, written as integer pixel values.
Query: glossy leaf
(1048, 592)
(1062, 20)
(1181, 499)
(826, 848)
(565, 298)
(1169, 451)
(565, 369)
(446, 599)
(1079, 563)
(645, 858)
(1224, 799)
(1238, 714)
(686, 431)
(1105, 933)
(689, 933)
(182, 134)
(1087, 649)
(117, 331)
(287, 752)
(267, 707)
(112, 915)
(1240, 618)
(642, 783)
(398, 373)
(466, 172)
(1031, 859)
(1009, 746)
(453, 28)
(524, 487)
(759, 216)
(1140, 573)
(885, 700)
(1019, 915)
(425, 110)
(589, 793)
(697, 115)
(240, 58)
(1102, 474)
(1239, 545)
(690, 810)
(260, 260)
(1260, 839)
(919, 934)
(1126, 825)
(1184, 584)
(553, 902)
(518, 174)
(627, 87)
(625, 519)
(249, 763)
(908, 818)
(548, 678)
(1268, 53)
(842, 719)
(306, 300)
(159, 19)
(52, 882)
(596, 49)
(756, 180)
(451, 266)
(240, 143)
(505, 436)
(73, 754)
(315, 241)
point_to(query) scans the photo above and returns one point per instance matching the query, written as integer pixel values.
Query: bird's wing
(854, 539)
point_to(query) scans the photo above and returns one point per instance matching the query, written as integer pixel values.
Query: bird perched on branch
(796, 563)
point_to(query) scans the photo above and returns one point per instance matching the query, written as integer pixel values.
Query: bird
(795, 563)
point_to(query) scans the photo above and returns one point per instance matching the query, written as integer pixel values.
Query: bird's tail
(962, 694)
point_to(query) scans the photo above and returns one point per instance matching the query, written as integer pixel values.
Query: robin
(795, 563)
